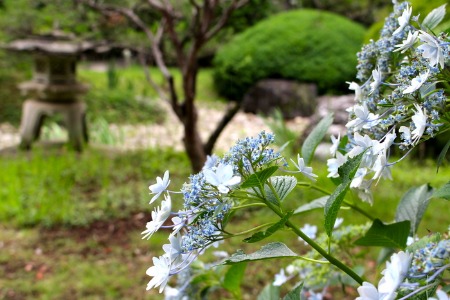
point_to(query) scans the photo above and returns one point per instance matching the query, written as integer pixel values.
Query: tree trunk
(192, 140)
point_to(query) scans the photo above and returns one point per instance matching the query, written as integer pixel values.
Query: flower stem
(250, 230)
(360, 210)
(316, 246)
(248, 205)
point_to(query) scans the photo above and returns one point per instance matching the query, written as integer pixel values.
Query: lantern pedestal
(33, 115)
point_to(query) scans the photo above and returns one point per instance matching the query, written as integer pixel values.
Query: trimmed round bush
(304, 45)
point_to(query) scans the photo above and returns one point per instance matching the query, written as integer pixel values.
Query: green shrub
(304, 45)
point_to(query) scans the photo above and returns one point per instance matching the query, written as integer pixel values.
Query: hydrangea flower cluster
(428, 260)
(401, 100)
(208, 200)
(409, 274)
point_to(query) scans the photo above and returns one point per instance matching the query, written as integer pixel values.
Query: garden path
(169, 134)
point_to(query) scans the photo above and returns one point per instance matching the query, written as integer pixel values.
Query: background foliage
(292, 45)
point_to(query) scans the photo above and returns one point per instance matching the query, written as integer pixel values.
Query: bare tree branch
(195, 4)
(159, 91)
(227, 117)
(235, 4)
(153, 39)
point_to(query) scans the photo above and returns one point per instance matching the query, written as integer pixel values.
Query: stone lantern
(53, 88)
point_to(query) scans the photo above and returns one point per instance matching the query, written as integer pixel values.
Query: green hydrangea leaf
(269, 292)
(443, 192)
(317, 203)
(295, 293)
(442, 155)
(333, 205)
(282, 185)
(259, 178)
(412, 206)
(233, 278)
(334, 202)
(315, 137)
(391, 236)
(269, 231)
(269, 251)
(434, 17)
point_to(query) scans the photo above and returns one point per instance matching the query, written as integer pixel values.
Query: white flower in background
(367, 291)
(334, 164)
(222, 178)
(377, 80)
(359, 177)
(159, 216)
(364, 118)
(416, 83)
(160, 186)
(411, 240)
(408, 42)
(280, 278)
(355, 87)
(431, 48)
(396, 270)
(334, 144)
(403, 20)
(310, 231)
(211, 161)
(160, 272)
(171, 293)
(338, 222)
(420, 122)
(307, 171)
(441, 295)
(316, 296)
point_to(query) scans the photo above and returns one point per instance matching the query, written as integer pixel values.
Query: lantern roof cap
(55, 42)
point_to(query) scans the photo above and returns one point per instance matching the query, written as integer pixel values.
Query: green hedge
(304, 45)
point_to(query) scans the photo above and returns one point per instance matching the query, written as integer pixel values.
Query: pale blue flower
(211, 161)
(160, 186)
(357, 88)
(307, 171)
(338, 222)
(377, 80)
(432, 49)
(441, 295)
(310, 231)
(334, 164)
(367, 291)
(403, 20)
(408, 42)
(334, 144)
(222, 178)
(364, 118)
(420, 122)
(416, 83)
(160, 272)
(359, 177)
(173, 250)
(171, 293)
(159, 216)
(280, 278)
(394, 274)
